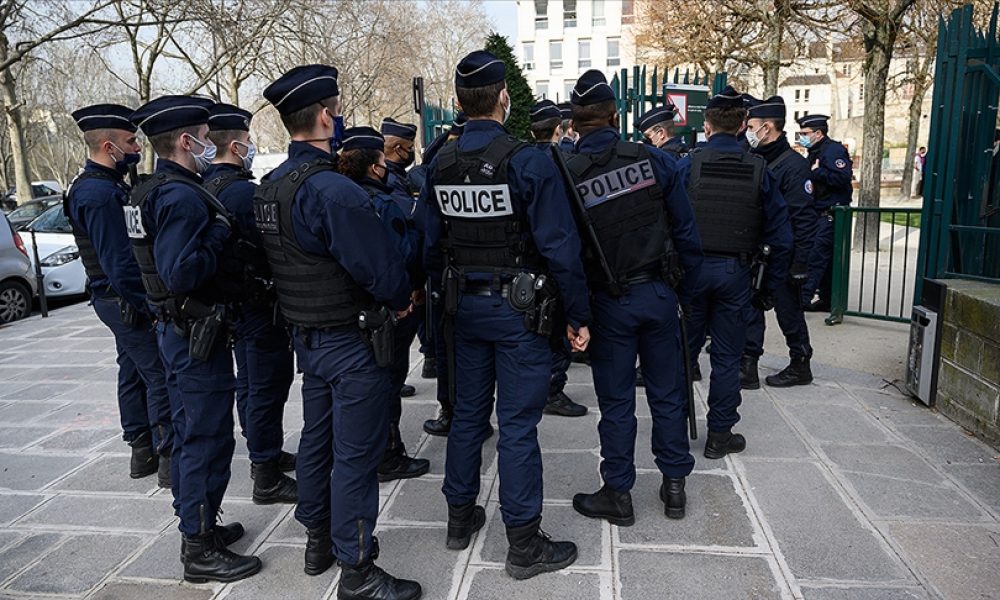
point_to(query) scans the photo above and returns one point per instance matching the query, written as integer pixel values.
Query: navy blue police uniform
(333, 267)
(179, 237)
(831, 179)
(264, 363)
(94, 206)
(792, 175)
(566, 143)
(659, 116)
(738, 208)
(636, 200)
(491, 211)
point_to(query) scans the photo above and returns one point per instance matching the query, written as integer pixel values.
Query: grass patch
(901, 219)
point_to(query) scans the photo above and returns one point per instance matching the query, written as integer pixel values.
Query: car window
(27, 211)
(52, 221)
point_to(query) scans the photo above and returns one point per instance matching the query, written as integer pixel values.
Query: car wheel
(15, 301)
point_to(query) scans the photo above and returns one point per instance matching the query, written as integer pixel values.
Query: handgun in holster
(205, 332)
(758, 270)
(452, 279)
(129, 315)
(673, 271)
(378, 326)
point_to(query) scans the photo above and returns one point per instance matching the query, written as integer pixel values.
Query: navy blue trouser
(642, 323)
(561, 360)
(201, 395)
(264, 373)
(495, 351)
(143, 402)
(791, 320)
(440, 352)
(820, 262)
(720, 307)
(403, 336)
(345, 399)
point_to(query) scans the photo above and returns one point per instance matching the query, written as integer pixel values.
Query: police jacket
(399, 182)
(775, 230)
(832, 178)
(403, 236)
(676, 147)
(566, 144)
(95, 206)
(333, 217)
(237, 196)
(683, 230)
(792, 174)
(538, 197)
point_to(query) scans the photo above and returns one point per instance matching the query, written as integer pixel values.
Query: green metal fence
(690, 90)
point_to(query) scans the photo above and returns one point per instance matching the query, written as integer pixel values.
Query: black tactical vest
(88, 254)
(243, 262)
(724, 189)
(624, 200)
(483, 232)
(314, 292)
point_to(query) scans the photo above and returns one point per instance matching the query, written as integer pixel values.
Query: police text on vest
(474, 201)
(610, 185)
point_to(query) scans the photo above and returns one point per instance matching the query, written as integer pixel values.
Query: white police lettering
(133, 222)
(611, 185)
(266, 216)
(474, 201)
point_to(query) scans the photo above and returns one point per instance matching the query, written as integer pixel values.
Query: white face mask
(506, 109)
(752, 138)
(251, 153)
(203, 160)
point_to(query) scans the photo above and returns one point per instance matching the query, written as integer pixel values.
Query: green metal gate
(635, 99)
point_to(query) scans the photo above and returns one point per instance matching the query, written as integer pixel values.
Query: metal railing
(874, 283)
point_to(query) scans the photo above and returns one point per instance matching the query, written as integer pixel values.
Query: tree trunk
(233, 84)
(879, 42)
(772, 65)
(912, 133)
(15, 125)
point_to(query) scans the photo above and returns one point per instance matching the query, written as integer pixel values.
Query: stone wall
(969, 366)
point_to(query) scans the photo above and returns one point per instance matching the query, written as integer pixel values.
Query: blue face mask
(805, 141)
(338, 134)
(128, 159)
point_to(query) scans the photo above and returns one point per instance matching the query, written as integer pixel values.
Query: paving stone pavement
(847, 491)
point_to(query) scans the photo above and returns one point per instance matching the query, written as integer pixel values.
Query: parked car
(17, 278)
(29, 211)
(39, 189)
(62, 269)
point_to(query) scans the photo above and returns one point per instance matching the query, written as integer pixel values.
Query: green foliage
(519, 123)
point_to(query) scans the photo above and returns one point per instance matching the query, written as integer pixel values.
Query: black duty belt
(472, 288)
(631, 280)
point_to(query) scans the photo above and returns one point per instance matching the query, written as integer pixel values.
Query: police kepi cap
(566, 110)
(655, 116)
(226, 117)
(104, 116)
(479, 69)
(302, 86)
(362, 138)
(772, 108)
(168, 113)
(544, 110)
(592, 87)
(407, 131)
(727, 98)
(813, 121)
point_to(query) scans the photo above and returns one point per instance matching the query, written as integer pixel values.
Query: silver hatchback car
(17, 279)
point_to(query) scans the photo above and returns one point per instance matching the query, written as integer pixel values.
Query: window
(861, 93)
(806, 95)
(541, 14)
(529, 56)
(542, 89)
(614, 59)
(796, 115)
(598, 8)
(569, 13)
(584, 54)
(568, 86)
(628, 11)
(798, 95)
(846, 69)
(555, 55)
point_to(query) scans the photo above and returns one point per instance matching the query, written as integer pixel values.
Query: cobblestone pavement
(847, 491)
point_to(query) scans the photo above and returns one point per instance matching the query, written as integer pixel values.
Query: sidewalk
(847, 491)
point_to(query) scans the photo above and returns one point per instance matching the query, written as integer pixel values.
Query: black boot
(560, 404)
(205, 559)
(463, 521)
(319, 549)
(720, 444)
(695, 372)
(796, 373)
(286, 462)
(606, 503)
(400, 466)
(673, 497)
(144, 460)
(532, 552)
(639, 381)
(163, 470)
(749, 378)
(429, 370)
(407, 391)
(226, 535)
(441, 425)
(271, 486)
(369, 582)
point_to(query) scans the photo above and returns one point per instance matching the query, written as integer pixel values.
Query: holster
(205, 331)
(378, 327)
(129, 315)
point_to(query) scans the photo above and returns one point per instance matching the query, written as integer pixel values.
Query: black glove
(762, 300)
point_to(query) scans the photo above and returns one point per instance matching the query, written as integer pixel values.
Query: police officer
(333, 266)
(645, 230)
(569, 136)
(179, 234)
(94, 208)
(493, 212)
(362, 159)
(546, 120)
(264, 369)
(738, 208)
(657, 127)
(831, 178)
(766, 135)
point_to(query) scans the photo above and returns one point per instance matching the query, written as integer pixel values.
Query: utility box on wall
(925, 342)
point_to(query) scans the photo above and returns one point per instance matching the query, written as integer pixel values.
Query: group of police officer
(528, 251)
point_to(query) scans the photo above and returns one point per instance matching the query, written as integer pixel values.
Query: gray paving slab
(815, 394)
(33, 472)
(19, 555)
(669, 575)
(856, 593)
(767, 432)
(889, 497)
(562, 523)
(983, 481)
(83, 414)
(895, 409)
(25, 411)
(282, 577)
(945, 444)
(18, 437)
(495, 584)
(290, 531)
(80, 440)
(433, 449)
(567, 473)
(108, 473)
(421, 500)
(13, 506)
(433, 566)
(644, 458)
(836, 423)
(124, 590)
(159, 560)
(569, 433)
(960, 561)
(883, 459)
(715, 514)
(109, 513)
(802, 508)
(76, 566)
(40, 391)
